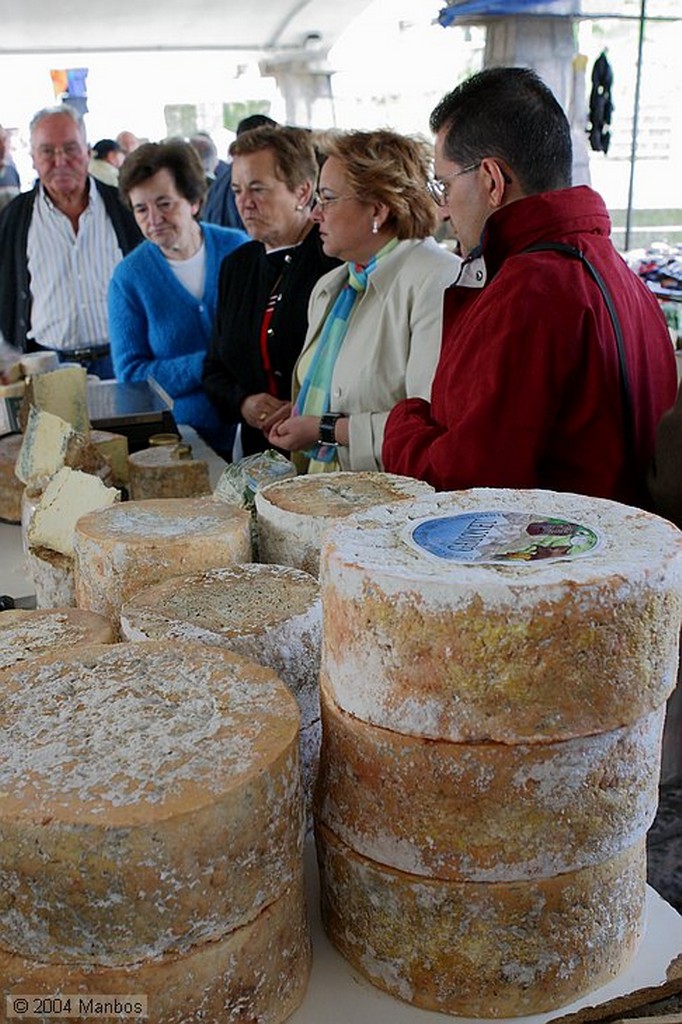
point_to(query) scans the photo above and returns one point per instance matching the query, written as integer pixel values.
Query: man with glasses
(530, 390)
(59, 244)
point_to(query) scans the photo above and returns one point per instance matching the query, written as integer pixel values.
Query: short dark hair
(174, 155)
(508, 113)
(102, 148)
(292, 148)
(251, 121)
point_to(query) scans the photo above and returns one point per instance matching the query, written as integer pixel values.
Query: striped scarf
(314, 398)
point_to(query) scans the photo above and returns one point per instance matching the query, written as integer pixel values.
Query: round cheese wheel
(507, 616)
(149, 800)
(480, 949)
(11, 487)
(268, 613)
(487, 812)
(158, 472)
(294, 515)
(26, 635)
(258, 972)
(53, 577)
(124, 548)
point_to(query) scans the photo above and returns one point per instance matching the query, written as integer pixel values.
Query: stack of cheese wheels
(29, 634)
(124, 548)
(294, 515)
(494, 674)
(268, 613)
(152, 826)
(11, 487)
(167, 471)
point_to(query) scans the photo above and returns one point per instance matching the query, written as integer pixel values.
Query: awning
(486, 8)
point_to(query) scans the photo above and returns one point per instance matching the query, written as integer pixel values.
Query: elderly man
(59, 244)
(530, 390)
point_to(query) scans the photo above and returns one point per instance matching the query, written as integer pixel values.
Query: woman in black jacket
(265, 285)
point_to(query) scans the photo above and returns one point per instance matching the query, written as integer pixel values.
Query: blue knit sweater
(158, 328)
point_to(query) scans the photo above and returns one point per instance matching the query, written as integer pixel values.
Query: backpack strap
(575, 253)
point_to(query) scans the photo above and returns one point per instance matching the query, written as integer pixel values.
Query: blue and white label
(497, 537)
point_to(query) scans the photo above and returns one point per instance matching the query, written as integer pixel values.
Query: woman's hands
(263, 411)
(297, 433)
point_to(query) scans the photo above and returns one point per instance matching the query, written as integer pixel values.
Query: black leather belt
(84, 355)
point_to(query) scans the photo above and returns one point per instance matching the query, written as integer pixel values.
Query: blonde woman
(375, 322)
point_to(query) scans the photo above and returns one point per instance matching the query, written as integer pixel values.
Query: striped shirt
(70, 273)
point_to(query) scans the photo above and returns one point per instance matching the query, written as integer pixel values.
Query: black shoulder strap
(575, 253)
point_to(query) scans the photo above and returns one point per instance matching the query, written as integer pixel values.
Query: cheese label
(501, 537)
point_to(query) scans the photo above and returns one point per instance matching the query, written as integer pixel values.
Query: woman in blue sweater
(162, 297)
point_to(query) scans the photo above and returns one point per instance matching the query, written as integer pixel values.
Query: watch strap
(327, 427)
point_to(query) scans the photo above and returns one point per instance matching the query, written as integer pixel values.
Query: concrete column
(548, 46)
(305, 84)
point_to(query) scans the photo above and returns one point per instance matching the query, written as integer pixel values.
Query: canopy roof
(46, 26)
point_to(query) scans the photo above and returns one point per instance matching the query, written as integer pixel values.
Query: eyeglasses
(69, 151)
(439, 189)
(322, 202)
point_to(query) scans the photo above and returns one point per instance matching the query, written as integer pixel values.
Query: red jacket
(527, 389)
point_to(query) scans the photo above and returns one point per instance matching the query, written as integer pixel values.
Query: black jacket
(15, 291)
(233, 368)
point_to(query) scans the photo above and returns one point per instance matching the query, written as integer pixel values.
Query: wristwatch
(328, 428)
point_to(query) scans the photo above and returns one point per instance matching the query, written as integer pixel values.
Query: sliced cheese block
(64, 393)
(69, 495)
(268, 613)
(487, 812)
(26, 635)
(50, 443)
(161, 472)
(113, 448)
(44, 447)
(124, 548)
(33, 363)
(30, 500)
(258, 972)
(149, 800)
(11, 487)
(294, 515)
(480, 949)
(53, 576)
(499, 615)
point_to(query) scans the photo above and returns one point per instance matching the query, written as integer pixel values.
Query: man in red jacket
(528, 391)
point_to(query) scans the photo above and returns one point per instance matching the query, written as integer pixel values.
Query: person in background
(106, 157)
(265, 286)
(128, 142)
(528, 390)
(10, 185)
(162, 298)
(60, 243)
(375, 322)
(206, 148)
(207, 153)
(220, 206)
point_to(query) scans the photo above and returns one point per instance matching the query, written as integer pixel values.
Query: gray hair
(64, 109)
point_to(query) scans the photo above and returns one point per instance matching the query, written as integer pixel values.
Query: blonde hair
(386, 167)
